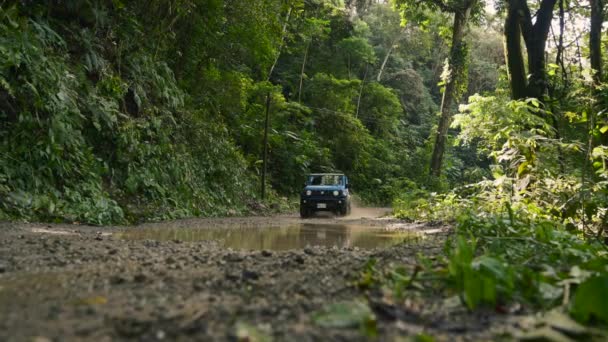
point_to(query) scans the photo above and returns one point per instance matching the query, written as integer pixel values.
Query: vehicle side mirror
(346, 186)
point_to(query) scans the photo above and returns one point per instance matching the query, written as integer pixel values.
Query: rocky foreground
(67, 282)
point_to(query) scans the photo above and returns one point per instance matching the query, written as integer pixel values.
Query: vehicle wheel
(304, 213)
(343, 211)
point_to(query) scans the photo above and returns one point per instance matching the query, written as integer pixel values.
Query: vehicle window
(325, 180)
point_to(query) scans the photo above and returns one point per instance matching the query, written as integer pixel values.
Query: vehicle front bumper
(323, 203)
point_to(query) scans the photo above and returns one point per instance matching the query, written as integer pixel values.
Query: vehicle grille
(324, 193)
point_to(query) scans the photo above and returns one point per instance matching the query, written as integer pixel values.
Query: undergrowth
(532, 237)
(99, 136)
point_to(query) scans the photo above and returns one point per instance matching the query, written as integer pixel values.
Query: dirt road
(67, 282)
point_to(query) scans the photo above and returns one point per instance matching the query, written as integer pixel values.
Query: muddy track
(67, 282)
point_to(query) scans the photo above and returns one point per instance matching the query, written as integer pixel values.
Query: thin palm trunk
(388, 54)
(361, 90)
(276, 59)
(302, 71)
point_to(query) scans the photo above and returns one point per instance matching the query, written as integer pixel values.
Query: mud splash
(295, 236)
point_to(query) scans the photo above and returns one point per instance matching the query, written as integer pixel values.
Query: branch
(442, 6)
(543, 18)
(525, 19)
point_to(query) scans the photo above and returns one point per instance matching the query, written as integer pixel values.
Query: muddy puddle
(278, 238)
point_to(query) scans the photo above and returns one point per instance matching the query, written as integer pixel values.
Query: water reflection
(277, 238)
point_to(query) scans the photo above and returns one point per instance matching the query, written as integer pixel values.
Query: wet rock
(234, 257)
(2, 268)
(117, 279)
(266, 253)
(454, 327)
(299, 259)
(151, 243)
(250, 275)
(41, 339)
(198, 285)
(130, 327)
(140, 278)
(232, 276)
(308, 250)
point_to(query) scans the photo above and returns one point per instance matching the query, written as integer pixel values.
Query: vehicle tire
(304, 212)
(343, 211)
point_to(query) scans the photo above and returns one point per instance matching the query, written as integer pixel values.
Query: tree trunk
(361, 91)
(302, 71)
(513, 53)
(595, 39)
(595, 50)
(559, 58)
(276, 59)
(517, 24)
(388, 54)
(535, 37)
(537, 82)
(450, 94)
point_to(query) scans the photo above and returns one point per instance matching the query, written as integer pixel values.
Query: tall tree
(595, 38)
(455, 74)
(455, 80)
(595, 48)
(519, 23)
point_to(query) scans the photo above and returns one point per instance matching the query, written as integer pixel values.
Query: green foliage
(348, 314)
(520, 259)
(380, 110)
(357, 52)
(589, 303)
(50, 171)
(495, 260)
(111, 145)
(147, 111)
(530, 234)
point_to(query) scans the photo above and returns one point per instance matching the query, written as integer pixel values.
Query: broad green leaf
(473, 291)
(249, 333)
(344, 315)
(590, 301)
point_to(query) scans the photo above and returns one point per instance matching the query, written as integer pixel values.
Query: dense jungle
(153, 155)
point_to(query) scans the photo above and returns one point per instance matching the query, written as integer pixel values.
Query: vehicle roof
(326, 174)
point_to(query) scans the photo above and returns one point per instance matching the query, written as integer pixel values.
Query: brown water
(278, 238)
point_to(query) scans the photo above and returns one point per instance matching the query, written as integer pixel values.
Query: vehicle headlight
(336, 193)
(308, 192)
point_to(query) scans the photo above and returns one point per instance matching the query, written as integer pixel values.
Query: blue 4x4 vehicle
(325, 192)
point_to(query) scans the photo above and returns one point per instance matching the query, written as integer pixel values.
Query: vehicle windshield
(325, 180)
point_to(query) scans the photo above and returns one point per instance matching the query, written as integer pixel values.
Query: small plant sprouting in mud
(349, 314)
(245, 332)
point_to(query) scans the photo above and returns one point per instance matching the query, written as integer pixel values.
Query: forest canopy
(122, 111)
